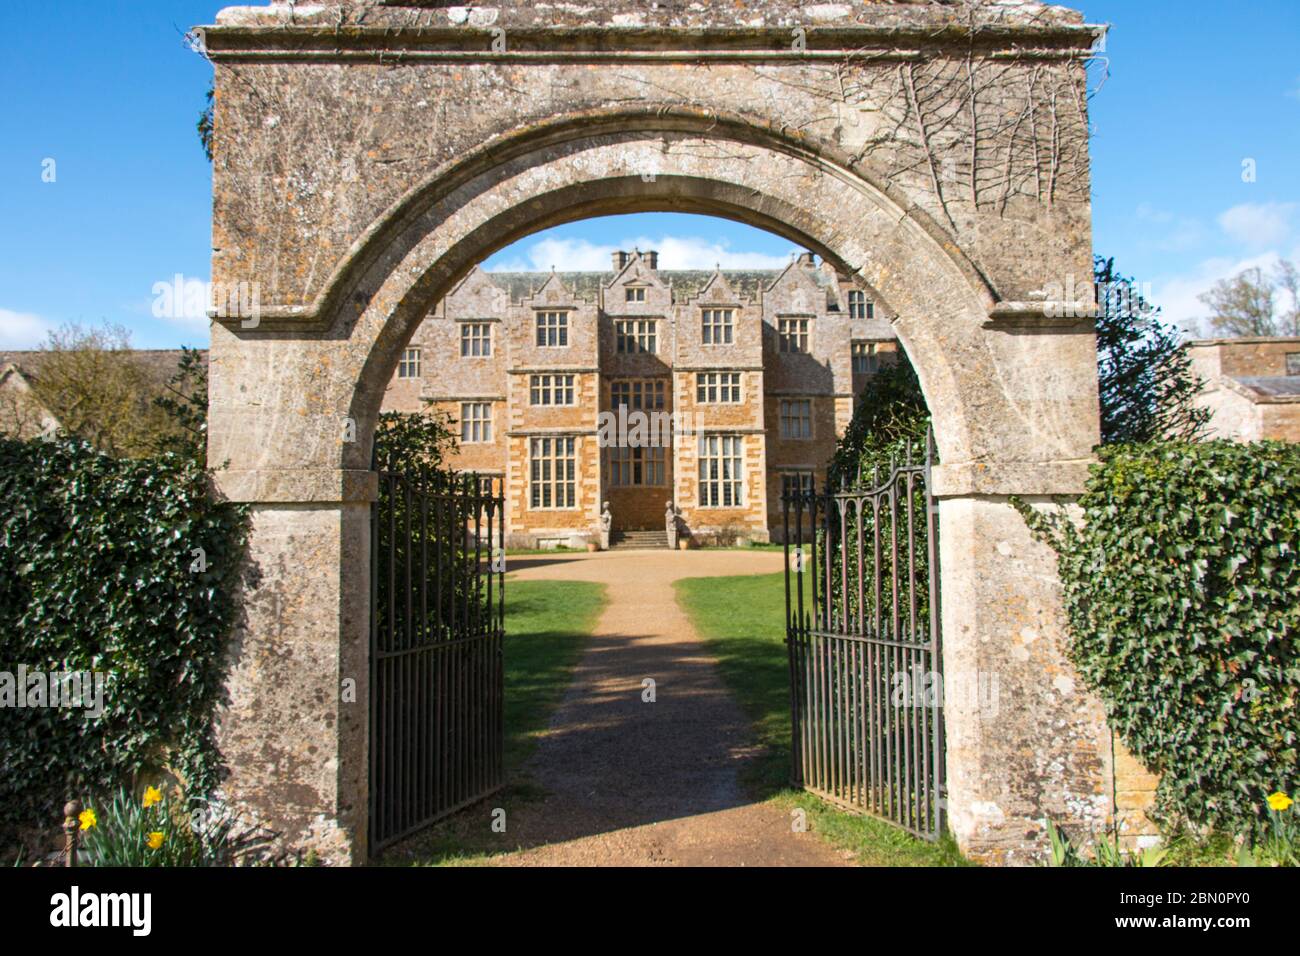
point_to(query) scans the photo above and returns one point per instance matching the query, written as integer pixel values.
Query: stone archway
(297, 387)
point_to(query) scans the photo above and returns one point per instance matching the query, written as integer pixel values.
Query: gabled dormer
(552, 292)
(476, 296)
(554, 326)
(718, 327)
(869, 318)
(636, 287)
(718, 291)
(799, 288)
(467, 323)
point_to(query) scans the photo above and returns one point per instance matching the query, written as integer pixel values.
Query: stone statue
(670, 524)
(606, 522)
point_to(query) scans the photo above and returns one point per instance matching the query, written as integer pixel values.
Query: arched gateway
(369, 154)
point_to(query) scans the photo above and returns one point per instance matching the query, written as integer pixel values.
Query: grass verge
(742, 619)
(547, 627)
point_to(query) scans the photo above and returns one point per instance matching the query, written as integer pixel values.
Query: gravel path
(632, 782)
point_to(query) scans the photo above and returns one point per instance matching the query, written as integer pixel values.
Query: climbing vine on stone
(1182, 587)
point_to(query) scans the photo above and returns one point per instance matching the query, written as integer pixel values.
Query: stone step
(638, 539)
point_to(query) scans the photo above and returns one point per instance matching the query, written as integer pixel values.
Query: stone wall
(1247, 356)
(1251, 386)
(1135, 795)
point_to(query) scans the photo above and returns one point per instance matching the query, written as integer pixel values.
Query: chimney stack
(620, 260)
(651, 258)
(806, 260)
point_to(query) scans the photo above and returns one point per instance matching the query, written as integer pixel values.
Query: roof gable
(800, 283)
(719, 289)
(475, 293)
(553, 292)
(637, 272)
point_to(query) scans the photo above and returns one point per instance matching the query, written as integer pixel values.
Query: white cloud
(1263, 232)
(1165, 232)
(184, 300)
(693, 252)
(22, 330)
(1179, 296)
(675, 252)
(1259, 225)
(566, 255)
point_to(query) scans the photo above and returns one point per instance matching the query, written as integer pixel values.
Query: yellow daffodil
(1279, 801)
(152, 795)
(87, 818)
(155, 839)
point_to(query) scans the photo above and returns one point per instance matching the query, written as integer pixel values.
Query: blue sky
(108, 90)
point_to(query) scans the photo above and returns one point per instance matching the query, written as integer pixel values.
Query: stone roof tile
(1271, 386)
(686, 283)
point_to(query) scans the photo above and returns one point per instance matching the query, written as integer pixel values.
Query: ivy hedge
(124, 568)
(889, 414)
(1183, 592)
(890, 421)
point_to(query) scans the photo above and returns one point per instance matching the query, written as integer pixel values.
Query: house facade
(1251, 386)
(640, 388)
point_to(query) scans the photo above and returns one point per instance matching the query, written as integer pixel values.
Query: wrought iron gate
(437, 627)
(862, 630)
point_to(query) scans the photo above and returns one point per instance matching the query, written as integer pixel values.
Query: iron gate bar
(437, 679)
(855, 741)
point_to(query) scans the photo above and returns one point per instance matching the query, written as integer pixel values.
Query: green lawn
(742, 619)
(548, 624)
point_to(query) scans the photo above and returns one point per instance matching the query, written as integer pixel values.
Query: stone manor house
(742, 380)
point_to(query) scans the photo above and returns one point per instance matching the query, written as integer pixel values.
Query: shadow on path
(632, 781)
